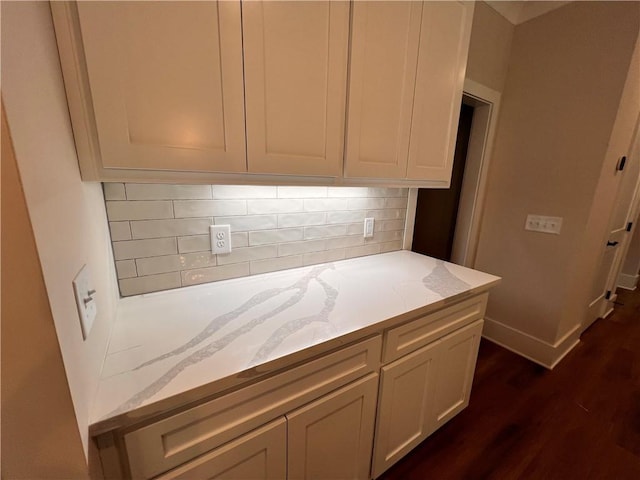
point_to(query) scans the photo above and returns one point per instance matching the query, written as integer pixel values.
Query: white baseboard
(628, 282)
(538, 351)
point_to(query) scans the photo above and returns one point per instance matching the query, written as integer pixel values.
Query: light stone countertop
(169, 349)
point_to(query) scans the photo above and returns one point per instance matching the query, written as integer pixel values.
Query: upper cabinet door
(384, 52)
(295, 56)
(166, 84)
(442, 62)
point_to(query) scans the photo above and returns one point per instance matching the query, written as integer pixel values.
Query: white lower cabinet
(317, 420)
(332, 437)
(457, 356)
(258, 455)
(406, 403)
(421, 391)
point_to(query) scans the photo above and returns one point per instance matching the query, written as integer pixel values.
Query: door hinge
(608, 295)
(629, 225)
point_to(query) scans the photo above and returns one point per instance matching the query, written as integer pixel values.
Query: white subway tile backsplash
(347, 192)
(154, 265)
(208, 208)
(356, 228)
(371, 249)
(387, 192)
(342, 242)
(139, 210)
(120, 231)
(324, 231)
(385, 236)
(387, 214)
(365, 203)
(347, 216)
(197, 260)
(247, 254)
(126, 269)
(151, 283)
(212, 274)
(324, 204)
(276, 236)
(391, 246)
(394, 202)
(263, 206)
(144, 248)
(324, 256)
(169, 228)
(114, 191)
(391, 224)
(248, 222)
(152, 191)
(244, 191)
(160, 233)
(302, 192)
(300, 219)
(295, 248)
(194, 243)
(273, 264)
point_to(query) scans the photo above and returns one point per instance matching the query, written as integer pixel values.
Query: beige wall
(491, 36)
(67, 216)
(566, 73)
(40, 437)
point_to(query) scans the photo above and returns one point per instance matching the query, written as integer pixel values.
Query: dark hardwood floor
(579, 421)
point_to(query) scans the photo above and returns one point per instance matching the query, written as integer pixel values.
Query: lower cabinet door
(332, 438)
(405, 406)
(260, 454)
(456, 366)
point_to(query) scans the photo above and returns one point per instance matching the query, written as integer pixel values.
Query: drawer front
(163, 445)
(259, 455)
(409, 337)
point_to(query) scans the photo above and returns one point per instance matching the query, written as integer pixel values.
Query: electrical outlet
(85, 301)
(220, 238)
(541, 223)
(368, 227)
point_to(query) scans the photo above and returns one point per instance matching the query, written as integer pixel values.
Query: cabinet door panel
(444, 44)
(166, 84)
(384, 52)
(332, 437)
(258, 455)
(405, 406)
(456, 366)
(295, 75)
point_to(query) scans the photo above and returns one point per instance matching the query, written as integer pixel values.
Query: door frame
(604, 306)
(486, 103)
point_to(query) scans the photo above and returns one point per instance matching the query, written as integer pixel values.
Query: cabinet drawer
(406, 338)
(260, 455)
(163, 445)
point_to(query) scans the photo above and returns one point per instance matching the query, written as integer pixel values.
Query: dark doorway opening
(437, 209)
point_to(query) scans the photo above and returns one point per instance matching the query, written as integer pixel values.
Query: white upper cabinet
(444, 44)
(165, 82)
(295, 56)
(254, 91)
(408, 61)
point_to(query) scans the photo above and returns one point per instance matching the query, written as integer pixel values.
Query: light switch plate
(368, 227)
(85, 300)
(220, 238)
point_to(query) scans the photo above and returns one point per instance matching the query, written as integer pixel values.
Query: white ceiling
(520, 11)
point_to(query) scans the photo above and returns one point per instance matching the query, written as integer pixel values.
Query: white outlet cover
(86, 302)
(220, 238)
